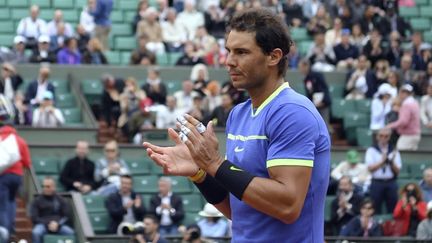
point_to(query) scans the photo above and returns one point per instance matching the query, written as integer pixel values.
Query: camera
(194, 234)
(127, 228)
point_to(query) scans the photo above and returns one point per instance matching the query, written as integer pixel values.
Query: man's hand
(129, 204)
(77, 185)
(137, 202)
(85, 189)
(53, 226)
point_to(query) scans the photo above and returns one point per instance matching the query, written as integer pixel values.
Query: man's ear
(275, 56)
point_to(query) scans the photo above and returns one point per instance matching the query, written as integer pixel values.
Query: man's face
(82, 149)
(227, 101)
(383, 137)
(345, 186)
(125, 185)
(427, 177)
(367, 210)
(58, 15)
(44, 73)
(171, 102)
(150, 226)
(48, 187)
(406, 63)
(43, 46)
(187, 87)
(362, 63)
(34, 12)
(164, 187)
(246, 63)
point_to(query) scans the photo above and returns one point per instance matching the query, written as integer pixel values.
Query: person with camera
(384, 162)
(192, 234)
(424, 229)
(149, 232)
(410, 210)
(47, 115)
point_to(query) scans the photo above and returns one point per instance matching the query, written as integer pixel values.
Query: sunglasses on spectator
(110, 150)
(383, 135)
(46, 186)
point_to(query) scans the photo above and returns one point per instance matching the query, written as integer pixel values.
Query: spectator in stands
(166, 116)
(346, 205)
(93, 54)
(10, 81)
(382, 71)
(151, 231)
(213, 223)
(86, 19)
(381, 105)
(392, 22)
(203, 41)
(354, 169)
(32, 27)
(110, 99)
(370, 19)
(140, 14)
(168, 207)
(394, 52)
(143, 119)
(416, 42)
(18, 54)
(109, 169)
(393, 116)
(58, 39)
(424, 58)
(22, 111)
(36, 89)
(142, 56)
(57, 19)
(426, 185)
(198, 111)
(384, 162)
(219, 115)
(424, 230)
(410, 210)
(358, 8)
(408, 123)
(82, 38)
(101, 13)
(173, 33)
(49, 213)
(43, 54)
(47, 115)
(215, 20)
(130, 100)
(310, 8)
(184, 97)
(293, 13)
(320, 55)
(426, 79)
(407, 74)
(361, 83)
(333, 35)
(358, 39)
(316, 89)
(375, 48)
(364, 225)
(212, 97)
(217, 56)
(425, 107)
(190, 18)
(154, 87)
(200, 77)
(124, 205)
(78, 172)
(320, 23)
(151, 27)
(70, 53)
(393, 80)
(11, 177)
(190, 58)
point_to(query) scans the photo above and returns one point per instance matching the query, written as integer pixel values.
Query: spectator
(407, 74)
(140, 14)
(213, 223)
(151, 231)
(49, 213)
(354, 169)
(101, 14)
(393, 116)
(310, 8)
(143, 119)
(382, 71)
(293, 13)
(426, 107)
(154, 87)
(70, 53)
(173, 33)
(86, 19)
(10, 81)
(22, 110)
(198, 111)
(320, 55)
(346, 205)
(124, 205)
(93, 54)
(333, 35)
(358, 39)
(130, 99)
(363, 225)
(358, 8)
(320, 23)
(381, 106)
(384, 162)
(219, 115)
(82, 38)
(47, 115)
(32, 27)
(11, 178)
(213, 97)
(151, 27)
(58, 39)
(393, 22)
(361, 83)
(200, 77)
(192, 233)
(36, 89)
(78, 172)
(43, 54)
(370, 19)
(393, 80)
(189, 58)
(424, 230)
(53, 25)
(408, 124)
(316, 90)
(184, 97)
(215, 20)
(109, 169)
(421, 61)
(18, 54)
(394, 52)
(203, 41)
(426, 185)
(410, 210)
(142, 56)
(168, 207)
(375, 48)
(110, 99)
(217, 56)
(190, 18)
(167, 115)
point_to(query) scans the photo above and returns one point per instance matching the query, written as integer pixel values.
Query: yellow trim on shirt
(269, 99)
(246, 138)
(290, 162)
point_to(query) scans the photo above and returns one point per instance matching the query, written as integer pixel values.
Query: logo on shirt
(238, 149)
(235, 168)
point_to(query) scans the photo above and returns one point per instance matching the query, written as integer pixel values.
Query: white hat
(383, 89)
(19, 39)
(407, 87)
(44, 38)
(210, 211)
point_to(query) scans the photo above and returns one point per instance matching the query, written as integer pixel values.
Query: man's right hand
(129, 204)
(77, 184)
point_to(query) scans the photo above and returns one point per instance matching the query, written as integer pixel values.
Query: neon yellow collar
(285, 85)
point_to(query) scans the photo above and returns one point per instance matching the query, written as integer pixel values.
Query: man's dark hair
(153, 218)
(366, 201)
(127, 176)
(270, 32)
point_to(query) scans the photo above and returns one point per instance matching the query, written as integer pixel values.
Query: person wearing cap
(345, 52)
(213, 223)
(18, 52)
(69, 54)
(381, 105)
(101, 12)
(10, 80)
(43, 54)
(353, 168)
(426, 106)
(36, 89)
(424, 229)
(426, 184)
(47, 115)
(408, 123)
(32, 27)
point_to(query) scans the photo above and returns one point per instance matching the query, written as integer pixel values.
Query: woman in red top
(410, 210)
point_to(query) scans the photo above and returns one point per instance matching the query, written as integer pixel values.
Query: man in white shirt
(32, 27)
(185, 96)
(190, 18)
(58, 18)
(354, 169)
(166, 116)
(36, 89)
(173, 33)
(47, 115)
(426, 107)
(384, 162)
